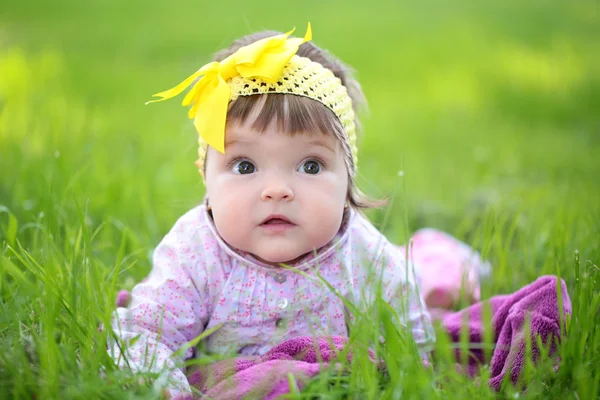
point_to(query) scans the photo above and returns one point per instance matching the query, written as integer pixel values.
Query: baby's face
(276, 196)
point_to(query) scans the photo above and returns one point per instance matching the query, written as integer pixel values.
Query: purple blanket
(268, 376)
(537, 303)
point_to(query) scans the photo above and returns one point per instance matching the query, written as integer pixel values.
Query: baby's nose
(277, 190)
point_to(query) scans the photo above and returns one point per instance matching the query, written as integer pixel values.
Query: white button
(282, 303)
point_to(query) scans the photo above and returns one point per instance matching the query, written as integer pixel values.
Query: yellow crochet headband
(268, 65)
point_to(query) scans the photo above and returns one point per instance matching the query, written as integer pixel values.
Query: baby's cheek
(326, 219)
(230, 217)
(231, 228)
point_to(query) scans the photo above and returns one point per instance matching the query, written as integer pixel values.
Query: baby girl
(276, 117)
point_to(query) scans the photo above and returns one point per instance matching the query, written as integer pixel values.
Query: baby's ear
(201, 165)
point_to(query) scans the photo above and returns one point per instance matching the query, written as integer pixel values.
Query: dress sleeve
(168, 309)
(402, 292)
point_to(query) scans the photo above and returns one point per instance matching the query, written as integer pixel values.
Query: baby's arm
(167, 310)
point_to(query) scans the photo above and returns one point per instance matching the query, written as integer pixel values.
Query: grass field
(491, 110)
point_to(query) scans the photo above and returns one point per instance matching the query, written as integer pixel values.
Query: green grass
(491, 111)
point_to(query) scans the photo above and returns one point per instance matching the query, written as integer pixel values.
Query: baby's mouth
(277, 222)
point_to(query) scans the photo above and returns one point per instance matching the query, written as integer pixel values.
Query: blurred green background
(491, 109)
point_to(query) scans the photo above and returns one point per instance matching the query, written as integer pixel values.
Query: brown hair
(294, 114)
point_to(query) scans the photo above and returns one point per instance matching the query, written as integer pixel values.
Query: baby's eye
(243, 167)
(311, 167)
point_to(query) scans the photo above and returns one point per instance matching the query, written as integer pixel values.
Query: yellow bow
(209, 97)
